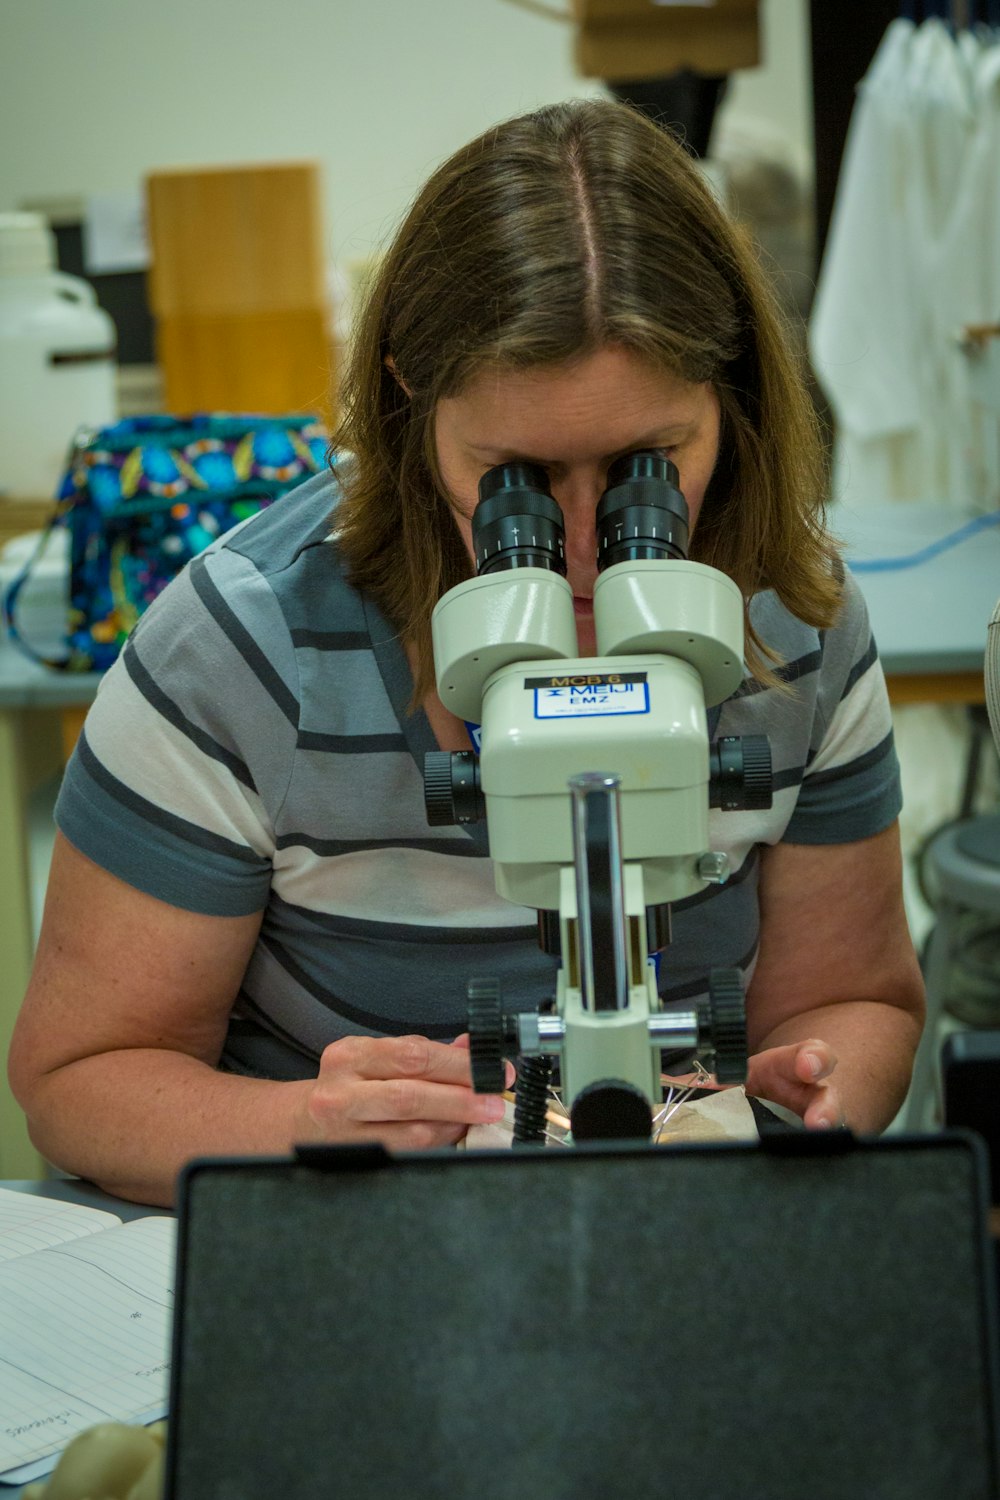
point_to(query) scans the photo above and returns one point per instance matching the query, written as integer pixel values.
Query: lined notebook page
(31, 1223)
(84, 1336)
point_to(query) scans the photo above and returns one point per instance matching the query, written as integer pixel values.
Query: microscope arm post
(600, 891)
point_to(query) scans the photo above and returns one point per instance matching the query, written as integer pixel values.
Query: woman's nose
(579, 507)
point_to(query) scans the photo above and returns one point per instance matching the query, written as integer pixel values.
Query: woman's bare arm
(837, 980)
(114, 1054)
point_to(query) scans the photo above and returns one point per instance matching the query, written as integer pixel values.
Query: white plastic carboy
(57, 359)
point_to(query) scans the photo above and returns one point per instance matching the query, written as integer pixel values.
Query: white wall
(772, 105)
(94, 93)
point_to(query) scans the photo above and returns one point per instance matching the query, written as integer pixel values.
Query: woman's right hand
(407, 1092)
(115, 1063)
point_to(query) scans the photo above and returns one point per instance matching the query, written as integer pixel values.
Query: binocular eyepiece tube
(641, 515)
(517, 524)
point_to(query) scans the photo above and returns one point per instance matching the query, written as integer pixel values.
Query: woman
(251, 936)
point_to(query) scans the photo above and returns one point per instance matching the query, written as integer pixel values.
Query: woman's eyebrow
(508, 454)
(664, 438)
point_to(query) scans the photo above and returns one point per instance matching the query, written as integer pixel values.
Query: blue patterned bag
(142, 497)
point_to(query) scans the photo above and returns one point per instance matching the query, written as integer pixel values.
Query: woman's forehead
(613, 398)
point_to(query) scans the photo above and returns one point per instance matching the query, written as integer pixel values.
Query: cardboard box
(627, 39)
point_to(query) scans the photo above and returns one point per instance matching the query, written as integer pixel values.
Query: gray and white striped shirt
(252, 749)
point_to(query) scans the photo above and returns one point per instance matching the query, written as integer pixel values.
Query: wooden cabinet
(238, 288)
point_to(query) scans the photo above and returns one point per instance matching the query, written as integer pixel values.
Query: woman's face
(575, 420)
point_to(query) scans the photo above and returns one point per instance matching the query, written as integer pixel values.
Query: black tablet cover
(807, 1320)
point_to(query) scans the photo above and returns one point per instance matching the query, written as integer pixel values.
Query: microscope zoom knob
(451, 788)
(727, 1025)
(740, 772)
(486, 1036)
(758, 780)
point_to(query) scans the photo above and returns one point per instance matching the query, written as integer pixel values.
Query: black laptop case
(802, 1320)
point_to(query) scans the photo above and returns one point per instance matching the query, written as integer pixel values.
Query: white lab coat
(913, 256)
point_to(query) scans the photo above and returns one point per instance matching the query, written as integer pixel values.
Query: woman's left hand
(797, 1077)
(836, 962)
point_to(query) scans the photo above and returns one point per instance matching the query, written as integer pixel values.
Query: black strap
(10, 597)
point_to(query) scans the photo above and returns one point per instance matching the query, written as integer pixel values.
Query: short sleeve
(187, 752)
(850, 785)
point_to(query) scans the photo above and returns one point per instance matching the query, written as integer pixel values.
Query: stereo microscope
(595, 776)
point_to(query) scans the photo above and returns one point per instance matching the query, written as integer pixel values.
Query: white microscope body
(596, 772)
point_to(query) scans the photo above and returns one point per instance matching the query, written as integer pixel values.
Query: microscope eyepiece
(644, 463)
(642, 514)
(517, 524)
(513, 475)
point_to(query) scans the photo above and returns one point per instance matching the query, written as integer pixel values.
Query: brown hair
(549, 237)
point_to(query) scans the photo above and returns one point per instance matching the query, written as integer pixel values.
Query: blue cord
(933, 549)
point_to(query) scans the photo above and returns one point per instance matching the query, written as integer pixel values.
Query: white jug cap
(27, 245)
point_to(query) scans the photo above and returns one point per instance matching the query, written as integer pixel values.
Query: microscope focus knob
(727, 1025)
(740, 772)
(486, 1036)
(451, 788)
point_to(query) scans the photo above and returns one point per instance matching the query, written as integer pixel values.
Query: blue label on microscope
(591, 699)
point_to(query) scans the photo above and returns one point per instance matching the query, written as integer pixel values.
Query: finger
(391, 1110)
(797, 1066)
(825, 1111)
(814, 1061)
(397, 1057)
(389, 1100)
(771, 1075)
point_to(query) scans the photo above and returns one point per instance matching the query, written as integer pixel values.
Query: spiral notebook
(86, 1305)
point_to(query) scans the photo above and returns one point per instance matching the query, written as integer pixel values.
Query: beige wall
(95, 92)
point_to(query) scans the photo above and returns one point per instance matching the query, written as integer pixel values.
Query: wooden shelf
(19, 515)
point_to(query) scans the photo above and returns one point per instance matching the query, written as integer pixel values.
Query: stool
(962, 863)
